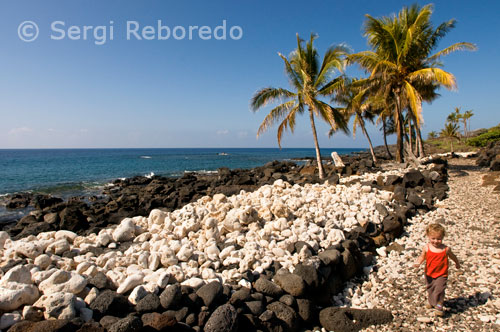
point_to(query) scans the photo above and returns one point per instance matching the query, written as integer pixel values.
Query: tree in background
(455, 116)
(310, 79)
(354, 98)
(450, 131)
(432, 135)
(466, 120)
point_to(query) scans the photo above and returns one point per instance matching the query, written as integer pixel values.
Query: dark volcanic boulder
(149, 303)
(19, 201)
(348, 265)
(100, 281)
(128, 324)
(330, 287)
(41, 202)
(413, 178)
(91, 327)
(254, 307)
(171, 296)
(241, 295)
(266, 287)
(495, 163)
(307, 310)
(349, 320)
(328, 257)
(291, 283)
(32, 229)
(223, 319)
(159, 321)
(210, 292)
(285, 314)
(308, 273)
(109, 303)
(391, 224)
(73, 219)
(45, 326)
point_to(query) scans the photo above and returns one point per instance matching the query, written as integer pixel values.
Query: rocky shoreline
(140, 195)
(271, 257)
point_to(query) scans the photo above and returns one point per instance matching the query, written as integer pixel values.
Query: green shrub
(492, 135)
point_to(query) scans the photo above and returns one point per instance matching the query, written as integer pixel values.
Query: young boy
(436, 255)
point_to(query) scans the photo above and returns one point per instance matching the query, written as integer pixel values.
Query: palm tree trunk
(410, 135)
(316, 145)
(362, 123)
(399, 124)
(421, 152)
(417, 145)
(385, 139)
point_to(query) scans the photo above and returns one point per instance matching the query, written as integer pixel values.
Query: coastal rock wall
(267, 259)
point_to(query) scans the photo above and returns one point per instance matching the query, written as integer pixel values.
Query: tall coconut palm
(401, 59)
(310, 79)
(355, 101)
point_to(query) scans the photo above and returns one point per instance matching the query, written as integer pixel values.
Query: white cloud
(222, 132)
(242, 134)
(83, 130)
(20, 130)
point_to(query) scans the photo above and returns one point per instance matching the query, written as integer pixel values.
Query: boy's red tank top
(436, 263)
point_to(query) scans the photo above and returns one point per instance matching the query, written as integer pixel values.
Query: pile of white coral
(216, 237)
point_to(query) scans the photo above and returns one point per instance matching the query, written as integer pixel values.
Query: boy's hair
(435, 228)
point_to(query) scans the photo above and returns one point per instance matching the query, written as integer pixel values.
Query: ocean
(76, 172)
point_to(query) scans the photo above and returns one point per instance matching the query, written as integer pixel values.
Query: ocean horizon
(69, 172)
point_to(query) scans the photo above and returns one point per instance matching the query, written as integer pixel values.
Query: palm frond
(268, 95)
(415, 101)
(288, 122)
(434, 75)
(453, 48)
(275, 115)
(334, 85)
(290, 72)
(332, 115)
(333, 59)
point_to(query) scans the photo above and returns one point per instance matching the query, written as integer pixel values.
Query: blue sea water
(66, 172)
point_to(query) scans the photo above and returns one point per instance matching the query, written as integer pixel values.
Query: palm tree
(432, 135)
(465, 119)
(400, 60)
(384, 129)
(388, 126)
(455, 116)
(355, 101)
(310, 80)
(450, 131)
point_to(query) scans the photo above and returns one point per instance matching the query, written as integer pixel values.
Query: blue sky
(74, 93)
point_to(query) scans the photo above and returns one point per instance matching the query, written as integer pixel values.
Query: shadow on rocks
(349, 320)
(462, 303)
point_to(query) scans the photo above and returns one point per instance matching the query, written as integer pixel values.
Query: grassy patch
(441, 145)
(492, 135)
